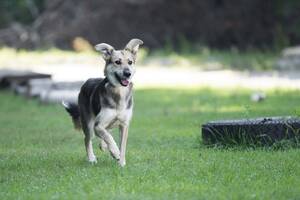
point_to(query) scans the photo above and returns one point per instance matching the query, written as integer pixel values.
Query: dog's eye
(118, 62)
(130, 62)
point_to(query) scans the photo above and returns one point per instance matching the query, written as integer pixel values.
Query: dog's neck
(118, 89)
(120, 96)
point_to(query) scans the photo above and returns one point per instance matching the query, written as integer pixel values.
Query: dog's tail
(73, 110)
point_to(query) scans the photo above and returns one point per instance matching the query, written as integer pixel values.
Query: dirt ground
(157, 76)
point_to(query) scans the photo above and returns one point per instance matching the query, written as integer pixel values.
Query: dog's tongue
(125, 82)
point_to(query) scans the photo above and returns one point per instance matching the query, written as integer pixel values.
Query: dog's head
(119, 67)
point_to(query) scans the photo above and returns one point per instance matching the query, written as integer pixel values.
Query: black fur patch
(74, 112)
(129, 103)
(107, 103)
(89, 98)
(95, 97)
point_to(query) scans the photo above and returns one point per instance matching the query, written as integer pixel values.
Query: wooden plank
(10, 77)
(37, 86)
(57, 96)
(75, 85)
(259, 131)
(20, 90)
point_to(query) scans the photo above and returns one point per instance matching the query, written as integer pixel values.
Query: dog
(105, 103)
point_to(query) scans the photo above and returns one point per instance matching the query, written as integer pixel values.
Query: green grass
(42, 157)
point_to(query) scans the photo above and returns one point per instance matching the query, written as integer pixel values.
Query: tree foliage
(216, 23)
(22, 11)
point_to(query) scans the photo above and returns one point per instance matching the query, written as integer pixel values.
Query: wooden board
(264, 131)
(57, 96)
(15, 77)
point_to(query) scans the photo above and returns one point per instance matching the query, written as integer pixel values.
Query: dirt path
(180, 77)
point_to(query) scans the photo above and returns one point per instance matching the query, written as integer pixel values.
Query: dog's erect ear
(105, 49)
(133, 45)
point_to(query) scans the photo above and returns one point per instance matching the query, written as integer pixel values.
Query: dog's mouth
(123, 81)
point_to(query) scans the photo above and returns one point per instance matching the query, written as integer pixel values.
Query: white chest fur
(110, 118)
(121, 114)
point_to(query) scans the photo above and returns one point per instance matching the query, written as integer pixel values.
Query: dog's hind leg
(103, 145)
(89, 133)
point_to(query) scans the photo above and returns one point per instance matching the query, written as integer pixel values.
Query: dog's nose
(127, 73)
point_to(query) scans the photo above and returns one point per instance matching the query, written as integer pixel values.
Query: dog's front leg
(107, 137)
(123, 143)
(102, 121)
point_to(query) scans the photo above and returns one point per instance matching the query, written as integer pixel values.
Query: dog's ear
(133, 45)
(105, 49)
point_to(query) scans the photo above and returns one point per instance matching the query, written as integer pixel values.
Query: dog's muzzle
(126, 73)
(123, 80)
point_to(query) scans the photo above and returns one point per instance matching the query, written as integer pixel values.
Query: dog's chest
(120, 112)
(123, 113)
(120, 116)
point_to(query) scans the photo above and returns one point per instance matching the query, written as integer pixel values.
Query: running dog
(104, 103)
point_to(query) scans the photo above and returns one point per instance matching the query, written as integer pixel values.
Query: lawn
(42, 157)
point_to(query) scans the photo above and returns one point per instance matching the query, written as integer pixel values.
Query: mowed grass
(42, 157)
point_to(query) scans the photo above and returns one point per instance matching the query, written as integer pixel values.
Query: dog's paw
(92, 160)
(115, 153)
(122, 163)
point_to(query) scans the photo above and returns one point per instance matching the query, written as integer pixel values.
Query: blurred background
(237, 40)
(216, 23)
